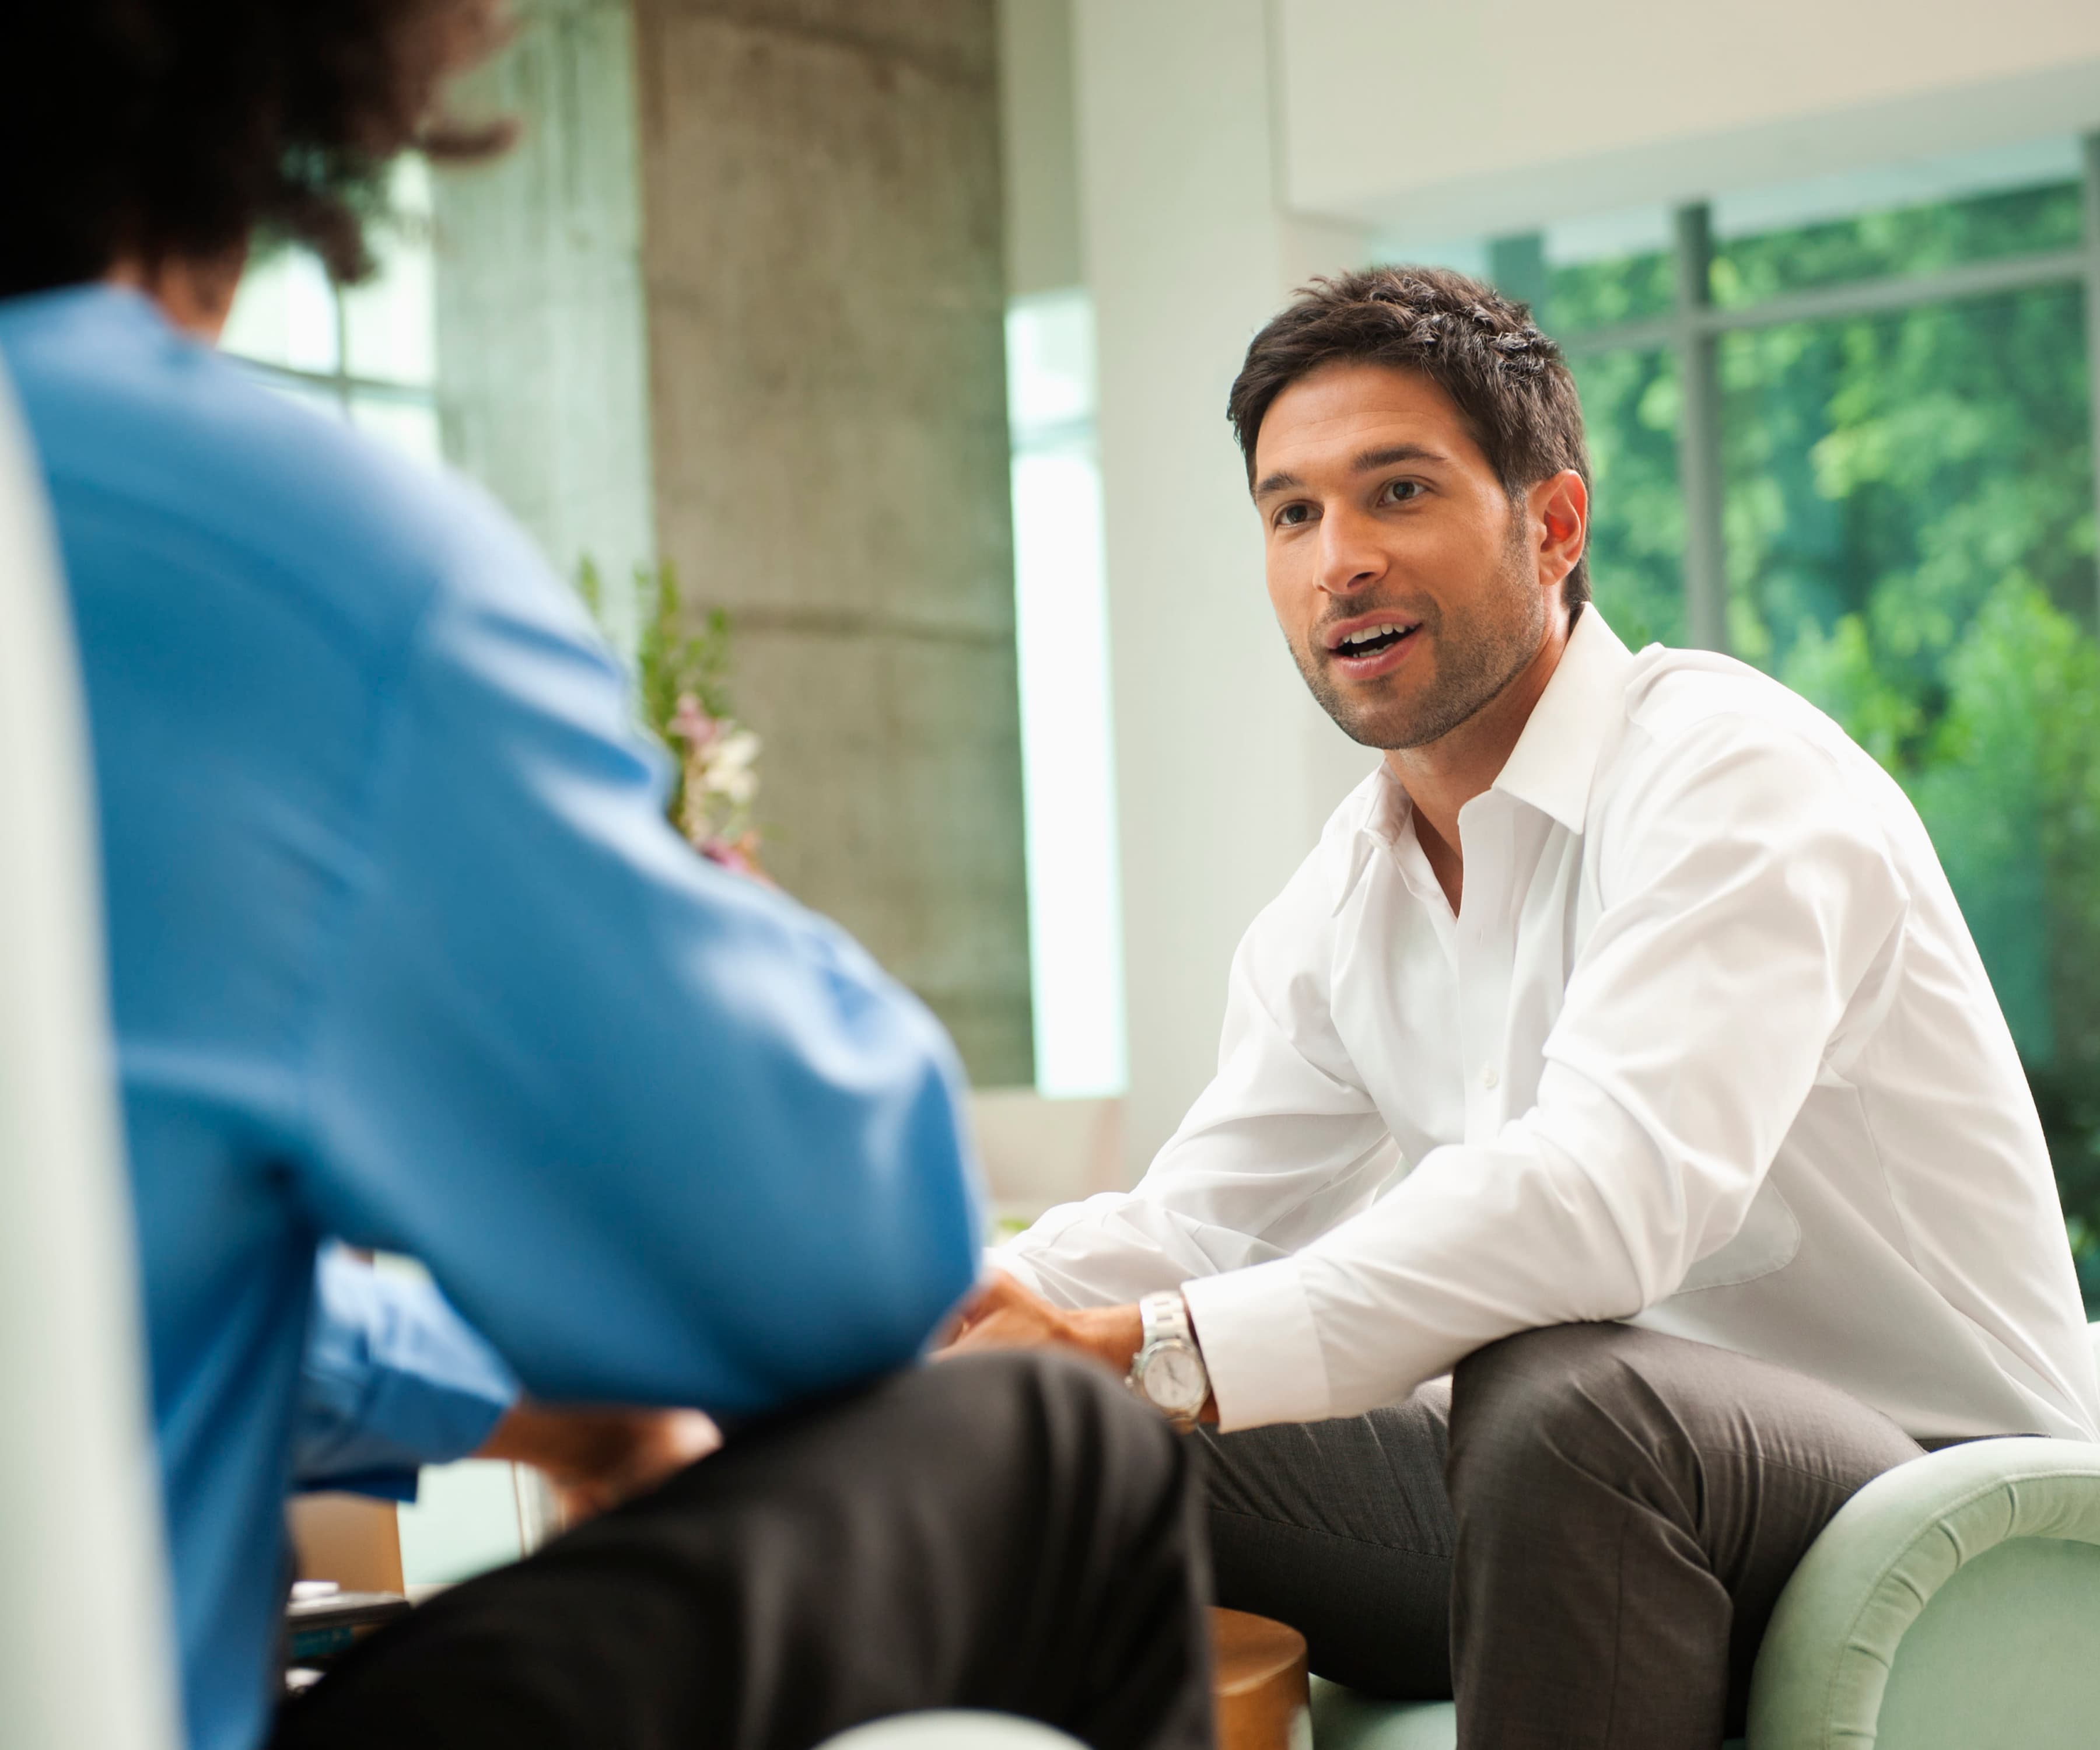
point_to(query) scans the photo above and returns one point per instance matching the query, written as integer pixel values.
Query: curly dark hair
(1508, 381)
(158, 131)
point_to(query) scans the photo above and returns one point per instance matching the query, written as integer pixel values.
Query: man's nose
(1350, 558)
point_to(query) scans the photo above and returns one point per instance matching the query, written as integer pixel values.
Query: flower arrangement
(682, 686)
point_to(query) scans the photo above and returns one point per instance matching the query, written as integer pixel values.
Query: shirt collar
(1384, 809)
(1555, 758)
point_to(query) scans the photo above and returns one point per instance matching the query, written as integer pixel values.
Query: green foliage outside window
(1902, 241)
(1911, 545)
(1630, 400)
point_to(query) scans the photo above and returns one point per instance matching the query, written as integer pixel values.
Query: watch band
(1161, 1317)
(1168, 1337)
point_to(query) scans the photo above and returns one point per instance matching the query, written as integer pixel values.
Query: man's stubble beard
(1476, 660)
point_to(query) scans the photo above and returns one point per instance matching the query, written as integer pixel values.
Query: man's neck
(195, 295)
(1442, 777)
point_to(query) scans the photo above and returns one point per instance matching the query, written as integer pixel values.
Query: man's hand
(598, 1456)
(1003, 1314)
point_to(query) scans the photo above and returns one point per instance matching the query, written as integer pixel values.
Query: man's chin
(1382, 735)
(1383, 723)
(1392, 728)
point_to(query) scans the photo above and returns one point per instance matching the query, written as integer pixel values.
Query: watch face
(1174, 1379)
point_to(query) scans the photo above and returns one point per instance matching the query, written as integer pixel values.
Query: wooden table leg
(1259, 1675)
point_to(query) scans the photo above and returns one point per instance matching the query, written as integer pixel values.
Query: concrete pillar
(824, 284)
(1224, 766)
(542, 370)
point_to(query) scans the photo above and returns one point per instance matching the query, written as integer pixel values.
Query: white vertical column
(1222, 760)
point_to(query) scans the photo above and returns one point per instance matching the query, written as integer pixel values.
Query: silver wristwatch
(1167, 1371)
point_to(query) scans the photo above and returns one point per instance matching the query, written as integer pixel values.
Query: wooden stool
(1258, 1675)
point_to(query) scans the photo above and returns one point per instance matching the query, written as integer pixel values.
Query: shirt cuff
(1254, 1327)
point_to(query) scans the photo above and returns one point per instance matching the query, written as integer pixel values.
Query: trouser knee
(1563, 1407)
(1071, 1417)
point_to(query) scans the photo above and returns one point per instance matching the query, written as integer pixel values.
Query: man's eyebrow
(1366, 462)
(1369, 459)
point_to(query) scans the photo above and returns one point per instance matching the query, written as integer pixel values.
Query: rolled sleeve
(392, 1379)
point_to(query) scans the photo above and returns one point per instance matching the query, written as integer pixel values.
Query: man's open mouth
(1373, 640)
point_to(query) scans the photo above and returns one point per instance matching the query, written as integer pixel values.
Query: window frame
(1693, 330)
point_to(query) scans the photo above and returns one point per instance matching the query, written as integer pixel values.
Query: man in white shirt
(1616, 1155)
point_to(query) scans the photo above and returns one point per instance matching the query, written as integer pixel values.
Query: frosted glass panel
(1075, 940)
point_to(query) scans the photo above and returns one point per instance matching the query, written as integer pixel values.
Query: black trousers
(1581, 1533)
(1004, 1531)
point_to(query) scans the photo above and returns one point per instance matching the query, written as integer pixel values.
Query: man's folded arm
(1751, 907)
(662, 1136)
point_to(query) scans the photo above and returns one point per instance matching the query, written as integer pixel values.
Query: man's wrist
(1169, 1371)
(1112, 1334)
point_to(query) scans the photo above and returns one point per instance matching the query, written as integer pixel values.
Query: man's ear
(1560, 508)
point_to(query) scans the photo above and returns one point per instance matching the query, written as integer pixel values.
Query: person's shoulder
(163, 442)
(1697, 719)
(1695, 704)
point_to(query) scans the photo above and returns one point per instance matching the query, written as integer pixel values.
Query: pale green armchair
(1953, 1604)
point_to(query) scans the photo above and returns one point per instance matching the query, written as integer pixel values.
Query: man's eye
(1291, 515)
(1399, 491)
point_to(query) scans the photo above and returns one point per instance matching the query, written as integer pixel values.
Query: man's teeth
(1371, 635)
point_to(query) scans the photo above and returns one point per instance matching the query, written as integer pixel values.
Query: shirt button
(1489, 1078)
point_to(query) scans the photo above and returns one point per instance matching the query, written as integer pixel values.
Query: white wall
(1224, 766)
(1436, 120)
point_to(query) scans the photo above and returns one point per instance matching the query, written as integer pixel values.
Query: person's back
(308, 668)
(229, 680)
(405, 954)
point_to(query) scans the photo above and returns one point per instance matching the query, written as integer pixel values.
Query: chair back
(84, 1653)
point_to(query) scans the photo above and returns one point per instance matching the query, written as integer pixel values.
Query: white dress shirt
(1707, 1048)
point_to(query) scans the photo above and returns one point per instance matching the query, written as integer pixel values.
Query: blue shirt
(392, 1379)
(404, 953)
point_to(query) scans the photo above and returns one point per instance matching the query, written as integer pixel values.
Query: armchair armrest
(1950, 1601)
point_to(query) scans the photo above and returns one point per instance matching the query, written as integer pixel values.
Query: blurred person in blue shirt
(405, 955)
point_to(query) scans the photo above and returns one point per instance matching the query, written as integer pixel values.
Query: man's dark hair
(156, 130)
(1507, 380)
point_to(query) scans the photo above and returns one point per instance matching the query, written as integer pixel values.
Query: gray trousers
(1581, 1533)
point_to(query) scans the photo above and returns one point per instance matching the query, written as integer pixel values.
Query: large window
(367, 353)
(1074, 928)
(1846, 431)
